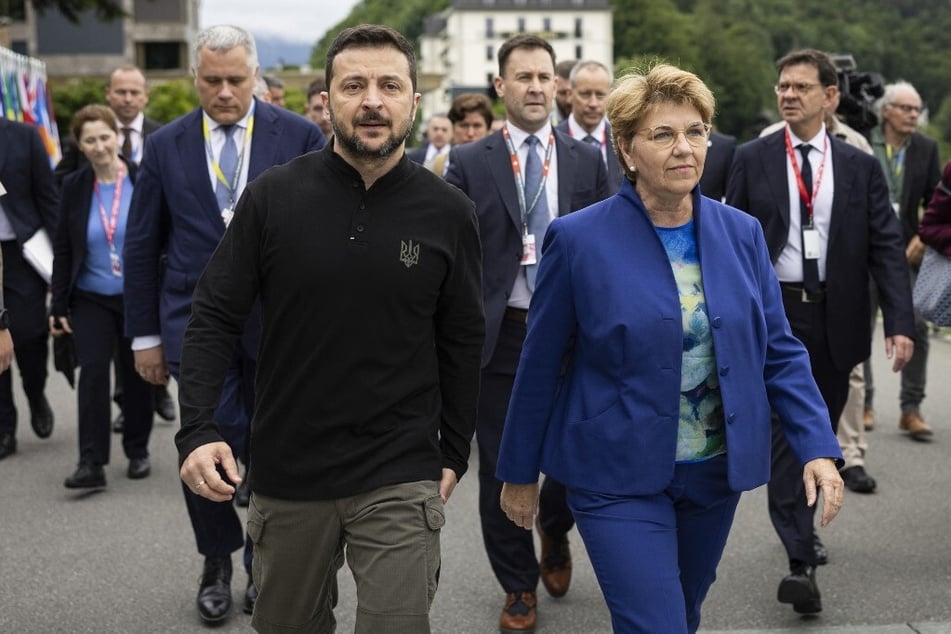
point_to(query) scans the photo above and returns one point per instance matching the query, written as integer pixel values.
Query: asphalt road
(123, 559)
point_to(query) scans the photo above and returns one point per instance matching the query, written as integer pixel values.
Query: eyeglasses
(906, 108)
(664, 136)
(801, 88)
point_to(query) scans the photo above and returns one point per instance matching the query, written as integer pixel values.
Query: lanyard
(803, 194)
(109, 225)
(231, 185)
(895, 162)
(520, 178)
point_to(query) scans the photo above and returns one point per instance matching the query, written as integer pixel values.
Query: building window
(20, 47)
(161, 55)
(578, 29)
(489, 53)
(546, 24)
(578, 54)
(15, 10)
(489, 28)
(521, 25)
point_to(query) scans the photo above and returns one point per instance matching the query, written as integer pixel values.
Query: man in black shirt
(368, 270)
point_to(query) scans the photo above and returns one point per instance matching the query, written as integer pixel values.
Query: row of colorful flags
(25, 97)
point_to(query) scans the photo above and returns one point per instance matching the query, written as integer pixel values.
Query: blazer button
(731, 418)
(724, 370)
(716, 322)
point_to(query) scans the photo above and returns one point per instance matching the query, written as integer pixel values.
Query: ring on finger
(199, 485)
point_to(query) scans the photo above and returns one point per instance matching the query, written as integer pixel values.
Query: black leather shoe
(8, 444)
(164, 406)
(250, 597)
(118, 425)
(242, 494)
(857, 480)
(822, 553)
(214, 590)
(41, 417)
(87, 476)
(139, 468)
(799, 588)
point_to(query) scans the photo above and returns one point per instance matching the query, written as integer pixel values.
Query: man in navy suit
(590, 85)
(514, 206)
(30, 205)
(192, 175)
(828, 224)
(716, 169)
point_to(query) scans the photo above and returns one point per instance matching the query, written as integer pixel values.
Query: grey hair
(224, 37)
(588, 64)
(260, 87)
(891, 91)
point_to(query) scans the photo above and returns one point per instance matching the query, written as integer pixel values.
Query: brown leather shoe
(518, 615)
(916, 427)
(868, 419)
(555, 563)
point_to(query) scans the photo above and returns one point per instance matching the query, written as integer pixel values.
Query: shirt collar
(136, 123)
(577, 132)
(241, 123)
(816, 142)
(518, 135)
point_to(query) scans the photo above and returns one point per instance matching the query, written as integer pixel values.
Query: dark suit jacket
(716, 169)
(174, 210)
(69, 243)
(418, 154)
(613, 167)
(73, 158)
(32, 198)
(864, 238)
(922, 172)
(935, 226)
(483, 171)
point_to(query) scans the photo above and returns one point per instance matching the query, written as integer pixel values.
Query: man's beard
(359, 149)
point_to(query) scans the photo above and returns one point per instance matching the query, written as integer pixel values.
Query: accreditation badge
(115, 263)
(528, 249)
(810, 243)
(226, 215)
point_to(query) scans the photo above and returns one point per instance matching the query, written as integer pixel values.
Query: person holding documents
(27, 218)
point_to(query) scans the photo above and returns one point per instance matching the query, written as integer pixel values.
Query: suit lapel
(190, 143)
(500, 166)
(842, 177)
(263, 140)
(567, 170)
(773, 161)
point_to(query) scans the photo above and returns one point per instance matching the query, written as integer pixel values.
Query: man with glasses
(590, 85)
(824, 210)
(912, 169)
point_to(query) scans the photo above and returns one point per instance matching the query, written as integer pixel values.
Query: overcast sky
(296, 20)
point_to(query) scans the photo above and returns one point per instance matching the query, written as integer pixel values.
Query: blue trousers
(217, 526)
(656, 556)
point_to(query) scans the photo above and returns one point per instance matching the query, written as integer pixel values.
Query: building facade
(459, 45)
(156, 35)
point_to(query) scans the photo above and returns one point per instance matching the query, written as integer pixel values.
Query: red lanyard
(803, 193)
(520, 178)
(109, 226)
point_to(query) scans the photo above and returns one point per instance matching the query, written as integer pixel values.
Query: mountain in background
(274, 51)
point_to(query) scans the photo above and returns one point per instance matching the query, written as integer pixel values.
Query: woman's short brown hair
(90, 113)
(637, 92)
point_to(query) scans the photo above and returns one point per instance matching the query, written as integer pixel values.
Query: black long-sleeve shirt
(368, 371)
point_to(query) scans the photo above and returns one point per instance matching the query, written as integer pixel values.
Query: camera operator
(912, 168)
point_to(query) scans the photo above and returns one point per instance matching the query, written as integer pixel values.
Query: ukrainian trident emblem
(409, 253)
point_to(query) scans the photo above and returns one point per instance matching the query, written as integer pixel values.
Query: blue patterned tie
(538, 218)
(590, 140)
(227, 161)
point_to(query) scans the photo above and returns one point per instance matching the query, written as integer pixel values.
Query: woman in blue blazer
(87, 297)
(657, 348)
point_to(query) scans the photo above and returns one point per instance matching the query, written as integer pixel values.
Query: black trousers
(511, 549)
(219, 531)
(98, 322)
(24, 293)
(791, 518)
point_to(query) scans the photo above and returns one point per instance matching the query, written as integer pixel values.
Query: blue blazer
(483, 171)
(32, 199)
(174, 212)
(607, 302)
(864, 239)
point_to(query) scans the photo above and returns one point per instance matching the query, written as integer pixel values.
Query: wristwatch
(4, 319)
